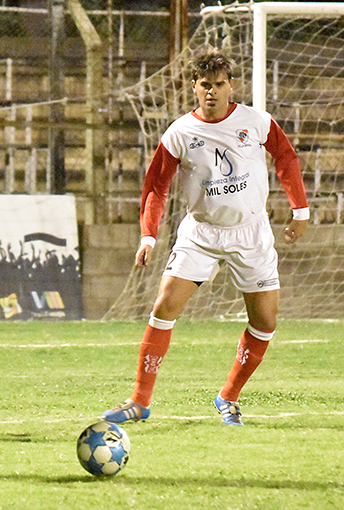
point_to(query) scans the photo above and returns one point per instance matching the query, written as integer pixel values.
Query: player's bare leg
(262, 308)
(172, 296)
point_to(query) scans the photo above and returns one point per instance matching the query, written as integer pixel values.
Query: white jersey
(223, 172)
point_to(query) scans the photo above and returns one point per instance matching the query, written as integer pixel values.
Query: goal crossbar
(260, 13)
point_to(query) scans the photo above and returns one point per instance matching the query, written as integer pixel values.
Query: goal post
(289, 60)
(260, 13)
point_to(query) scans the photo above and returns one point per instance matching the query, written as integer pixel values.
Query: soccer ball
(103, 448)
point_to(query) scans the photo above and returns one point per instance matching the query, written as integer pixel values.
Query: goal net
(304, 75)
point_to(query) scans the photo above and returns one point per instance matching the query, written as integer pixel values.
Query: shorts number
(171, 260)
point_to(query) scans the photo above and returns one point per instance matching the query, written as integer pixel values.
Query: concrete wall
(108, 253)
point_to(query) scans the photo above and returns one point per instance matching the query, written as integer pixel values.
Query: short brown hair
(211, 61)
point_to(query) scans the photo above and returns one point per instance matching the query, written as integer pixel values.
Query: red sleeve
(155, 190)
(287, 165)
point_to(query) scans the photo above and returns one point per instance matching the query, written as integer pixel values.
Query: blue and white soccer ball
(103, 448)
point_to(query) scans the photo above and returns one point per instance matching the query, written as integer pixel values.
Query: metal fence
(62, 126)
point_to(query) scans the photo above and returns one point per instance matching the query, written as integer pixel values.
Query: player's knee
(166, 308)
(269, 325)
(264, 321)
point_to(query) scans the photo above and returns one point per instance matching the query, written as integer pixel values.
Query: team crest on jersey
(196, 143)
(243, 136)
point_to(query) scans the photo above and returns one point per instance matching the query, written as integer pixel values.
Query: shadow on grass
(293, 424)
(183, 483)
(309, 422)
(240, 484)
(22, 438)
(14, 477)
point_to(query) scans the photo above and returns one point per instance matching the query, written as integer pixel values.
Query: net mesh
(305, 80)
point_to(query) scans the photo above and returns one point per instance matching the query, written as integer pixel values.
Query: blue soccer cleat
(229, 410)
(127, 411)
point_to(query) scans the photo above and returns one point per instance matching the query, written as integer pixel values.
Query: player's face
(212, 92)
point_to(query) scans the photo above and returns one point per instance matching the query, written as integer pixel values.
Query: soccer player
(219, 149)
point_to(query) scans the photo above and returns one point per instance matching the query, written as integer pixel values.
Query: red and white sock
(154, 346)
(250, 353)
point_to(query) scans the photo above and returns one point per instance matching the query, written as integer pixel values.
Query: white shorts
(248, 249)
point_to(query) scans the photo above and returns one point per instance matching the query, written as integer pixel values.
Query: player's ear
(193, 84)
(230, 85)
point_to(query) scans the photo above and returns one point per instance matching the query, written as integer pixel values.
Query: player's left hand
(295, 230)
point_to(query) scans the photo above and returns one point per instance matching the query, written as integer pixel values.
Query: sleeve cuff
(148, 240)
(301, 214)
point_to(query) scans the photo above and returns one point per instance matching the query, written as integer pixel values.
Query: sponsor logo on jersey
(196, 143)
(243, 137)
(223, 162)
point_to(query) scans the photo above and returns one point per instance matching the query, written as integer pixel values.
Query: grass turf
(58, 377)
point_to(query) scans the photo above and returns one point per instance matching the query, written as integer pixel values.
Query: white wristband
(148, 240)
(301, 214)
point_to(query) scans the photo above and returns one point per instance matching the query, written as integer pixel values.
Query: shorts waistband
(263, 215)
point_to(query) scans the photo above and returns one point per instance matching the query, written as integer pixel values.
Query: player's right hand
(295, 230)
(143, 255)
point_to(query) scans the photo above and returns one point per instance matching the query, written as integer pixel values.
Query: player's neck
(214, 116)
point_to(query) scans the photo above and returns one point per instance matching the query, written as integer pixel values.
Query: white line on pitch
(156, 418)
(59, 346)
(130, 344)
(268, 416)
(304, 341)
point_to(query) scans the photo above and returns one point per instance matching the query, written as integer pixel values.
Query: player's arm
(154, 194)
(289, 174)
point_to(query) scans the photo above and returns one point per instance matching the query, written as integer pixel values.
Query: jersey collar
(231, 109)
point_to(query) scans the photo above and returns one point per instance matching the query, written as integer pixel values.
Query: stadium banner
(40, 274)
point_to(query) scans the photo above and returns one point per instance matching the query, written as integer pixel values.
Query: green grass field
(56, 378)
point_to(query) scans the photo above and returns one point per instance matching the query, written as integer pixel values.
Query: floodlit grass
(56, 378)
